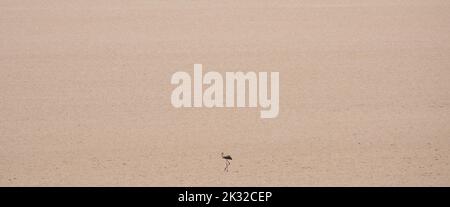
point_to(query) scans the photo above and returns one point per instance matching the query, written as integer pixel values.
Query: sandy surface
(85, 93)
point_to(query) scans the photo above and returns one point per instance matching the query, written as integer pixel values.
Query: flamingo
(227, 162)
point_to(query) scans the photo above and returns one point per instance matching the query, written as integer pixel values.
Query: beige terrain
(85, 93)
